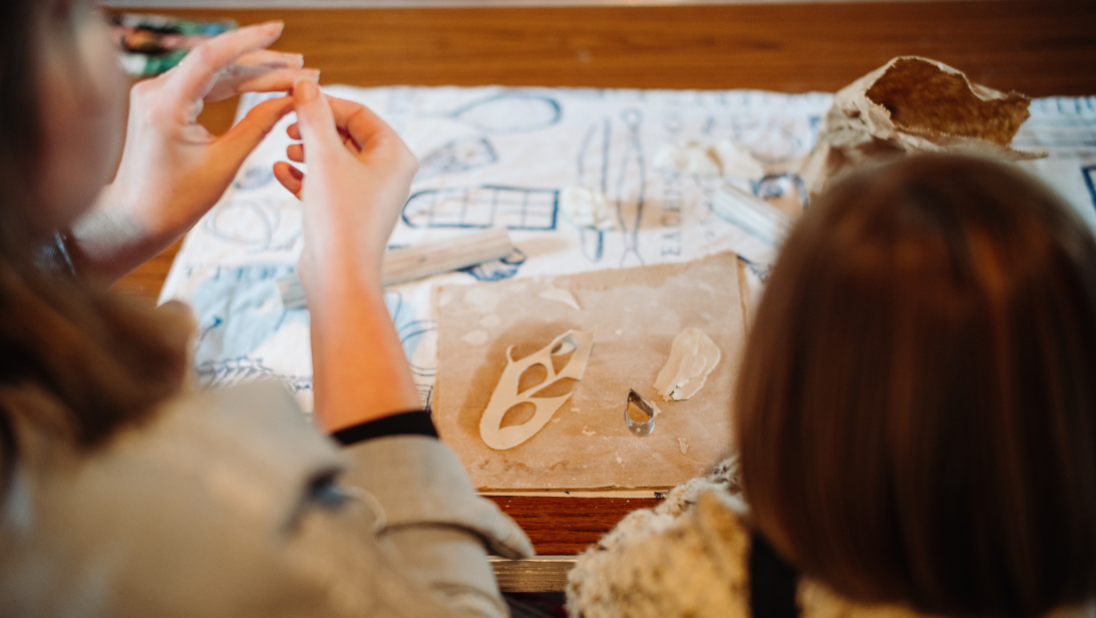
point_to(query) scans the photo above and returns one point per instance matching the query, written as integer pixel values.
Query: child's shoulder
(686, 557)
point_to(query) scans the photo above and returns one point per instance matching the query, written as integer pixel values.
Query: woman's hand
(173, 170)
(359, 177)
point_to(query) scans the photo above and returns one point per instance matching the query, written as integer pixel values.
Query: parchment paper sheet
(635, 314)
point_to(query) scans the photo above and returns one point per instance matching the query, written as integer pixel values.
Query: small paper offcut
(588, 208)
(476, 337)
(561, 296)
(708, 159)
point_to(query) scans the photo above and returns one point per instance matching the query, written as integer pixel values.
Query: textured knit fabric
(689, 558)
(226, 504)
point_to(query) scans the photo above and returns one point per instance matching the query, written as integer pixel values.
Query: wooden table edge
(537, 574)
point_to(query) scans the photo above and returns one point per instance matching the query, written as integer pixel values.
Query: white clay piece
(476, 337)
(708, 159)
(505, 396)
(693, 355)
(588, 208)
(683, 445)
(561, 296)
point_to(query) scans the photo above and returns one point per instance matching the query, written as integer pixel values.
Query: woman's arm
(359, 176)
(358, 180)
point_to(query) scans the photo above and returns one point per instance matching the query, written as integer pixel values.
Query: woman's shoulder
(211, 473)
(686, 557)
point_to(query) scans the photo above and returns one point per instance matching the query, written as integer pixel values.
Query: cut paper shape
(515, 208)
(459, 155)
(708, 159)
(578, 344)
(588, 208)
(693, 355)
(560, 296)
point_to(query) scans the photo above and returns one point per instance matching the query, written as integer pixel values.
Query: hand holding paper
(359, 176)
(173, 170)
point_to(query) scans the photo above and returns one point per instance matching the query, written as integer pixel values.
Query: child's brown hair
(916, 412)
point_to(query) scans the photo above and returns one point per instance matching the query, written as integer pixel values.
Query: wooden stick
(410, 263)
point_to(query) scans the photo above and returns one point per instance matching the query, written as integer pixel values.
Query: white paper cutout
(693, 355)
(506, 393)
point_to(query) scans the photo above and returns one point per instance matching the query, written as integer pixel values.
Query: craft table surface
(1039, 48)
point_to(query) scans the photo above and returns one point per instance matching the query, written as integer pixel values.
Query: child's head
(917, 406)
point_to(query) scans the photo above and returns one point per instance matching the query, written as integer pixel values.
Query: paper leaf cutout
(504, 397)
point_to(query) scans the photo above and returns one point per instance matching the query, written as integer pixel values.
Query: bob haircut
(915, 412)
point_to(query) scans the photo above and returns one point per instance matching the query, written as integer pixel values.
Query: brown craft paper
(910, 105)
(634, 314)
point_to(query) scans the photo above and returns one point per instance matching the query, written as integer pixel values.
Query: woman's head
(61, 111)
(105, 360)
(917, 406)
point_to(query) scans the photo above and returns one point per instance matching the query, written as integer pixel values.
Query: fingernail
(313, 74)
(305, 90)
(275, 26)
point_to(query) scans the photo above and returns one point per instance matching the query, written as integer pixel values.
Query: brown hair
(915, 411)
(106, 359)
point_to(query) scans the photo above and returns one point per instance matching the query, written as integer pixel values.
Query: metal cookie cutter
(637, 406)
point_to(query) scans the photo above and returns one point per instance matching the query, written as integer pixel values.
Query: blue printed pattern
(514, 208)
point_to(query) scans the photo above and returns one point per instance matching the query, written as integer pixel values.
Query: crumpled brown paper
(910, 105)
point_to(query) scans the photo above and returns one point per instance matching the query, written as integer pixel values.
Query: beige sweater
(688, 557)
(224, 506)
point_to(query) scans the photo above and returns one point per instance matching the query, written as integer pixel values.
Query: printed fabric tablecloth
(499, 157)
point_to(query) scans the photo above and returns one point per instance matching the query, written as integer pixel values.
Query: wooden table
(1040, 48)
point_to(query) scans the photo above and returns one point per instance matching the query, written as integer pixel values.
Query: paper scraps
(588, 208)
(560, 296)
(708, 159)
(577, 344)
(693, 355)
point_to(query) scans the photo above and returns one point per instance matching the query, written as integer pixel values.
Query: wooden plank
(567, 525)
(540, 574)
(1040, 48)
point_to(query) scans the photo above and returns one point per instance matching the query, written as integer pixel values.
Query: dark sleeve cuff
(414, 423)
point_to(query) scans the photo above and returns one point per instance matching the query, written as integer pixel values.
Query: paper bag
(910, 105)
